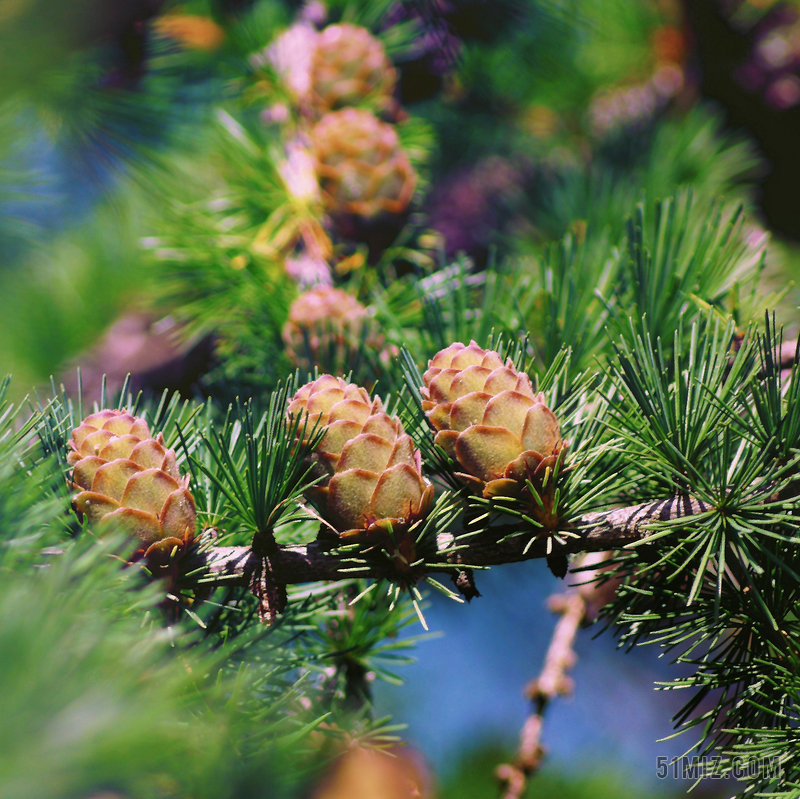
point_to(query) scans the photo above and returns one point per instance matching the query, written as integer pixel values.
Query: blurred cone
(361, 165)
(372, 774)
(191, 31)
(350, 67)
(325, 326)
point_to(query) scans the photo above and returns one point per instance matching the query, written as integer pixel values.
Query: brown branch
(574, 606)
(552, 682)
(594, 532)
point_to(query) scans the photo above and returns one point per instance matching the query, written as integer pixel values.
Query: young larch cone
(298, 172)
(126, 477)
(324, 324)
(489, 420)
(308, 271)
(349, 67)
(361, 165)
(371, 485)
(292, 55)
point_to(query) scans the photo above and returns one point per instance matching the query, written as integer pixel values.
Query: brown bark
(595, 532)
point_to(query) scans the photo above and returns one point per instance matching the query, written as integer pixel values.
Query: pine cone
(372, 483)
(127, 477)
(361, 166)
(489, 420)
(325, 324)
(350, 66)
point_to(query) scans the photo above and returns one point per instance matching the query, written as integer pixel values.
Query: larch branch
(594, 532)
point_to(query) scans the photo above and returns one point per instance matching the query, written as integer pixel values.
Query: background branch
(575, 606)
(552, 682)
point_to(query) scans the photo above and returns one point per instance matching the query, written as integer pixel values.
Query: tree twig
(594, 532)
(552, 682)
(574, 606)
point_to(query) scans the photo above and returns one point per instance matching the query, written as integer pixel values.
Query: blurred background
(525, 120)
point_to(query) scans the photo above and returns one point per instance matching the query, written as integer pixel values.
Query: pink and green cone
(490, 421)
(127, 478)
(371, 486)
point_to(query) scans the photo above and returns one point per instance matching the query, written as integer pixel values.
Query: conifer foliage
(199, 592)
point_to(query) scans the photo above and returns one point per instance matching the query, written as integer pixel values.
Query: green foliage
(631, 296)
(685, 151)
(684, 255)
(718, 588)
(255, 467)
(67, 292)
(361, 643)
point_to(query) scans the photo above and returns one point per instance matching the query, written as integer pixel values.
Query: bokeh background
(535, 119)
